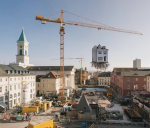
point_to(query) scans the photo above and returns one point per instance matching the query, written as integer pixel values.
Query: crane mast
(62, 32)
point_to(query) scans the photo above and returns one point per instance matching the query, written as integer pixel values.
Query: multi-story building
(69, 73)
(12, 80)
(104, 78)
(84, 76)
(99, 54)
(48, 83)
(115, 75)
(127, 81)
(137, 63)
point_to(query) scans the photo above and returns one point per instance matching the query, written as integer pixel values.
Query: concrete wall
(72, 113)
(86, 116)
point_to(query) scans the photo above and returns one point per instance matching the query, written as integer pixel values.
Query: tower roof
(22, 36)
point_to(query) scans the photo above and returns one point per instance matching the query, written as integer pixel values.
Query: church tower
(22, 49)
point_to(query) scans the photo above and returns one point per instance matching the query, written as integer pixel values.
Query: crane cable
(53, 14)
(87, 19)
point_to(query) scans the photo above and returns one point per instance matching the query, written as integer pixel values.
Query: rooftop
(135, 73)
(49, 68)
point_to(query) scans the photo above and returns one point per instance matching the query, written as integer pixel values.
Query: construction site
(83, 106)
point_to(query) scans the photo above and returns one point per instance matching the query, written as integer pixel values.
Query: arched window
(19, 94)
(20, 52)
(31, 91)
(25, 52)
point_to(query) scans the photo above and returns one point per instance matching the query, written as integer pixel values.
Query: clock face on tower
(20, 46)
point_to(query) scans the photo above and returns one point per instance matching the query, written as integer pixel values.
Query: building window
(14, 79)
(31, 84)
(100, 58)
(31, 91)
(47, 85)
(15, 87)
(18, 100)
(52, 85)
(30, 96)
(128, 86)
(100, 52)
(43, 80)
(0, 89)
(20, 51)
(144, 86)
(148, 78)
(144, 79)
(31, 77)
(136, 86)
(0, 80)
(10, 79)
(128, 93)
(18, 86)
(10, 87)
(128, 79)
(6, 79)
(43, 85)
(6, 88)
(38, 85)
(136, 79)
(10, 96)
(28, 78)
(22, 78)
(43, 91)
(19, 94)
(15, 95)
(105, 52)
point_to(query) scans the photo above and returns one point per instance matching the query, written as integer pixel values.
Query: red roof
(144, 92)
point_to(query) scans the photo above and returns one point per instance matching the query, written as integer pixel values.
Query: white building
(69, 73)
(49, 82)
(99, 54)
(104, 78)
(22, 57)
(137, 63)
(12, 80)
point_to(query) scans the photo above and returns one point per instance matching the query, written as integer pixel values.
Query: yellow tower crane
(81, 67)
(62, 32)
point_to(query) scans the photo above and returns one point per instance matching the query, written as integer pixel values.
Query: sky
(44, 39)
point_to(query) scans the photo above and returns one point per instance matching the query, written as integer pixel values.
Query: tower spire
(22, 36)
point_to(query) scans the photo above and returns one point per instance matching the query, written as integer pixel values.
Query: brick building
(123, 80)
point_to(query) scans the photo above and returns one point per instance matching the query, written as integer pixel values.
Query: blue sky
(44, 40)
